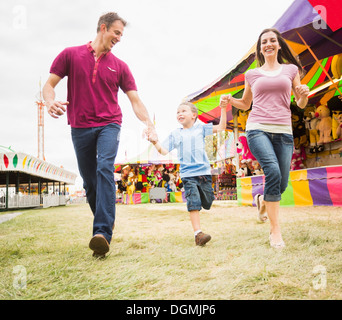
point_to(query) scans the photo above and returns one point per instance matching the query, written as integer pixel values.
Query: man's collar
(91, 49)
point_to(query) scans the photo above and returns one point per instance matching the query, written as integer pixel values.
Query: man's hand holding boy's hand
(151, 134)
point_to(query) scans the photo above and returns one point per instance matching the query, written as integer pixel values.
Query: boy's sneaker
(201, 239)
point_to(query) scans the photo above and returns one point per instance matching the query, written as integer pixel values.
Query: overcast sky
(173, 48)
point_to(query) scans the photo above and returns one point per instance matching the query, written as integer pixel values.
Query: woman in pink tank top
(268, 129)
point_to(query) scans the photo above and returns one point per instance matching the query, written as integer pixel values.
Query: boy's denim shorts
(198, 192)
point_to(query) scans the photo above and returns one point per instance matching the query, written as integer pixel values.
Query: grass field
(44, 254)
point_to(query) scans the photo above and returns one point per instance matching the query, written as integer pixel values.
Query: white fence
(53, 201)
(22, 201)
(30, 201)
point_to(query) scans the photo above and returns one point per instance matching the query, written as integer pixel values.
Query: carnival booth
(144, 183)
(149, 177)
(26, 181)
(316, 175)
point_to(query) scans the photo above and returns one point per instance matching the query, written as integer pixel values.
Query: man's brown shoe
(99, 245)
(201, 239)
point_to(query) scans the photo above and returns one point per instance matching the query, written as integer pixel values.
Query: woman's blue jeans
(96, 149)
(274, 153)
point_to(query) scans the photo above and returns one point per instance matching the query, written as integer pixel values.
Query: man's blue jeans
(96, 149)
(274, 153)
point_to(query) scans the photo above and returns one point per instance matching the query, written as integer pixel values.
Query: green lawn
(44, 254)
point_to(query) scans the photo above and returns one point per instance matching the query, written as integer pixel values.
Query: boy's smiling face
(185, 116)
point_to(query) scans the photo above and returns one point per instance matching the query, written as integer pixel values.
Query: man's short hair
(108, 19)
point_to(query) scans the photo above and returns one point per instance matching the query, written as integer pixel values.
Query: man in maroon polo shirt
(94, 78)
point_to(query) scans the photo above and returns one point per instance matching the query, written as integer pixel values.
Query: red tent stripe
(332, 13)
(323, 75)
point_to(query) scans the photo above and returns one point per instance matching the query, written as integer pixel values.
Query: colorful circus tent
(21, 165)
(317, 42)
(30, 176)
(313, 30)
(314, 186)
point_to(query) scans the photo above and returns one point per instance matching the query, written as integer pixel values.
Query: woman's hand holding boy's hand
(225, 100)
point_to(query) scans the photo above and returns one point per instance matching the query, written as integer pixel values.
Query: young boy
(194, 164)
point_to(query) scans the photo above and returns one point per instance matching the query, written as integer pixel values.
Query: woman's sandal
(262, 215)
(276, 245)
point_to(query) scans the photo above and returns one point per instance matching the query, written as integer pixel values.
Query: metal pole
(7, 183)
(236, 138)
(29, 185)
(17, 184)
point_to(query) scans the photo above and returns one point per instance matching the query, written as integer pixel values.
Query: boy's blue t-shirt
(190, 149)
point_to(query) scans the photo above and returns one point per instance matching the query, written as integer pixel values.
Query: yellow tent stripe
(301, 190)
(246, 191)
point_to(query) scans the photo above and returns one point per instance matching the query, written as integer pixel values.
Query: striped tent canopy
(29, 165)
(314, 38)
(150, 156)
(228, 148)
